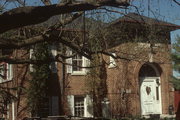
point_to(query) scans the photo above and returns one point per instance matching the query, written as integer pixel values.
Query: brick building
(136, 83)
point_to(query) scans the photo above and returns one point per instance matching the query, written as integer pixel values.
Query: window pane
(3, 71)
(157, 93)
(77, 63)
(79, 106)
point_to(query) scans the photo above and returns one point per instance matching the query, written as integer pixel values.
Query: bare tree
(18, 30)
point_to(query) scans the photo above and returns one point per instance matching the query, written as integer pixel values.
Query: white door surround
(150, 95)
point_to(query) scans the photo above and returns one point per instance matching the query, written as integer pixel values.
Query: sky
(165, 10)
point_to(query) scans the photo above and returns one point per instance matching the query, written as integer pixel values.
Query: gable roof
(136, 18)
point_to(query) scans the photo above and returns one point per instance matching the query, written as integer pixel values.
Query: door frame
(159, 90)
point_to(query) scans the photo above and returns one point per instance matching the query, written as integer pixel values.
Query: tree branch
(11, 44)
(46, 2)
(9, 60)
(177, 2)
(31, 15)
(53, 36)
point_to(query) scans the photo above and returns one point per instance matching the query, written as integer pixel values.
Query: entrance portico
(150, 90)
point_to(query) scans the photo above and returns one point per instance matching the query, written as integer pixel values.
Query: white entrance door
(150, 96)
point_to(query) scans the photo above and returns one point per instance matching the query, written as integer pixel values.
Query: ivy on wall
(96, 84)
(37, 97)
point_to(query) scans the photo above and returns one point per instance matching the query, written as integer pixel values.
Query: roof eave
(171, 26)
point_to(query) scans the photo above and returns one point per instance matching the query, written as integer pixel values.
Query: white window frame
(69, 67)
(53, 52)
(83, 70)
(77, 58)
(31, 52)
(13, 110)
(79, 106)
(88, 103)
(8, 73)
(112, 62)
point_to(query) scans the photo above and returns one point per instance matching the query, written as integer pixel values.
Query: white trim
(69, 61)
(85, 63)
(142, 79)
(9, 73)
(88, 106)
(70, 99)
(8, 111)
(53, 52)
(69, 66)
(81, 72)
(13, 111)
(112, 62)
(78, 73)
(151, 57)
(31, 52)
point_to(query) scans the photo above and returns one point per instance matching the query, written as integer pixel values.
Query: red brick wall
(177, 104)
(126, 76)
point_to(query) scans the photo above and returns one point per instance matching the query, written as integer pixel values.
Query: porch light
(158, 82)
(106, 101)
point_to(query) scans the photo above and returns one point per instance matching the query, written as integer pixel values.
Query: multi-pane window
(5, 72)
(79, 106)
(77, 62)
(52, 53)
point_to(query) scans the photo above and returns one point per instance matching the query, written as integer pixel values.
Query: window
(157, 92)
(112, 62)
(79, 106)
(5, 112)
(54, 105)
(5, 72)
(31, 56)
(76, 64)
(52, 53)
